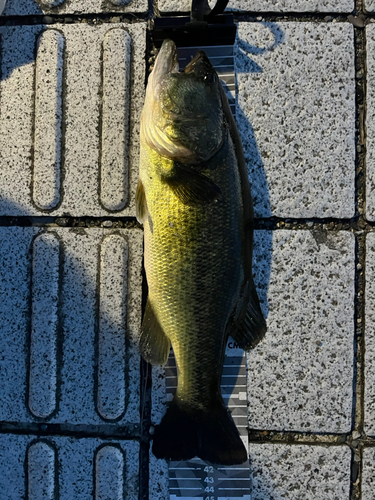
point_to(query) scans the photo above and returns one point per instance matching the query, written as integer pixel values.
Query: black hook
(201, 11)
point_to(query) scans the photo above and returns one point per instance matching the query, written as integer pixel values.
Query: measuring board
(222, 59)
(196, 479)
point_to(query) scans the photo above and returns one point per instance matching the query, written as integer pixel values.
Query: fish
(194, 200)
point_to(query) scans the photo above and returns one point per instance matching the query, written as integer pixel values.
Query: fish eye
(209, 78)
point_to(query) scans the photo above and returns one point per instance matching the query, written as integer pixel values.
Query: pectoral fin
(154, 345)
(248, 327)
(140, 203)
(191, 187)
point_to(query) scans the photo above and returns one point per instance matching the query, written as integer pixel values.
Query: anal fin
(249, 327)
(154, 345)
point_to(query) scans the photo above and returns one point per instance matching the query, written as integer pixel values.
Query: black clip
(204, 27)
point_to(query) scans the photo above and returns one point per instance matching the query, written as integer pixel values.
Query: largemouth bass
(193, 197)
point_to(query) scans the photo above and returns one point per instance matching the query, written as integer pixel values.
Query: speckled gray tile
(300, 375)
(297, 118)
(158, 483)
(370, 5)
(368, 474)
(70, 314)
(62, 152)
(67, 468)
(34, 7)
(268, 5)
(370, 124)
(299, 472)
(370, 337)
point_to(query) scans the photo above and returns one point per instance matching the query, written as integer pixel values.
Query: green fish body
(198, 225)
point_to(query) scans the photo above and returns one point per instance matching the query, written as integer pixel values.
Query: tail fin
(211, 435)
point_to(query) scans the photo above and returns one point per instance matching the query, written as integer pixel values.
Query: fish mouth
(166, 61)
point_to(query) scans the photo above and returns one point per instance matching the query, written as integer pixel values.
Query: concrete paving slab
(370, 124)
(35, 7)
(67, 468)
(69, 137)
(70, 315)
(294, 472)
(368, 474)
(300, 375)
(370, 5)
(370, 336)
(267, 5)
(296, 116)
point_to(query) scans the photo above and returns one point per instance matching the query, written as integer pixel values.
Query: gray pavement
(77, 404)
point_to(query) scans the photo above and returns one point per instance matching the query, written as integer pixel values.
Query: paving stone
(67, 468)
(368, 474)
(294, 472)
(267, 5)
(69, 136)
(296, 116)
(35, 7)
(159, 479)
(370, 5)
(70, 315)
(370, 336)
(300, 375)
(370, 124)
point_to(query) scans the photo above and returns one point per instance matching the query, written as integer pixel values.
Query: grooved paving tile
(300, 375)
(70, 312)
(297, 472)
(268, 5)
(368, 474)
(35, 7)
(296, 117)
(69, 134)
(68, 468)
(370, 124)
(370, 337)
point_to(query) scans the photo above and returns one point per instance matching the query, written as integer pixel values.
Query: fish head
(183, 118)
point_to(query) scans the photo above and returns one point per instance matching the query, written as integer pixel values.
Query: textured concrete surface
(300, 375)
(370, 122)
(368, 479)
(296, 119)
(299, 472)
(35, 7)
(370, 336)
(268, 5)
(370, 5)
(69, 148)
(67, 468)
(81, 291)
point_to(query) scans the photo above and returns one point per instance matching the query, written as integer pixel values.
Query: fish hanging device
(213, 32)
(205, 29)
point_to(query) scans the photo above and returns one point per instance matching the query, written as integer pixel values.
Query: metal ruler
(196, 479)
(222, 59)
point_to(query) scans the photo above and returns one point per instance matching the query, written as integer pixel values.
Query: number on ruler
(209, 489)
(209, 469)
